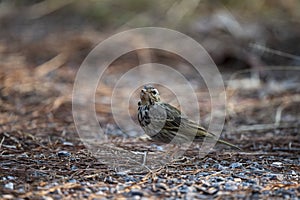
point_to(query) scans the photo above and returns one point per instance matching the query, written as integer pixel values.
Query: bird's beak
(142, 94)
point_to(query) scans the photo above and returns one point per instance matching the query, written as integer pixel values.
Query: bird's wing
(174, 119)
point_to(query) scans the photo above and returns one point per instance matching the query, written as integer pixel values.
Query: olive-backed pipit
(164, 123)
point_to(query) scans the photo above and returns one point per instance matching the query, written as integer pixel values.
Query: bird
(164, 123)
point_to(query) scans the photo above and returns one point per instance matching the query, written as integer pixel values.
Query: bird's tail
(229, 144)
(202, 132)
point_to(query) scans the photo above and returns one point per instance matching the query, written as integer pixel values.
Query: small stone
(266, 192)
(121, 174)
(188, 169)
(218, 166)
(130, 179)
(183, 189)
(21, 190)
(88, 190)
(11, 178)
(236, 165)
(255, 165)
(160, 148)
(256, 188)
(246, 184)
(241, 175)
(224, 162)
(162, 186)
(8, 196)
(271, 176)
(207, 190)
(73, 168)
(251, 181)
(203, 174)
(47, 198)
(205, 166)
(112, 190)
(237, 180)
(230, 186)
(293, 172)
(120, 187)
(216, 179)
(63, 154)
(277, 164)
(104, 189)
(226, 172)
(72, 181)
(109, 180)
(280, 177)
(212, 190)
(136, 192)
(68, 144)
(9, 185)
(100, 193)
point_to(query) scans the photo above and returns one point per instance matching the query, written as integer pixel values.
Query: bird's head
(149, 95)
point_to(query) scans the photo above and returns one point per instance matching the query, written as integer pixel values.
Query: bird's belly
(152, 129)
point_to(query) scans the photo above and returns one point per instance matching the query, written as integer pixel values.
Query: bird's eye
(154, 92)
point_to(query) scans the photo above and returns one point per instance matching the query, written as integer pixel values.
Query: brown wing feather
(174, 119)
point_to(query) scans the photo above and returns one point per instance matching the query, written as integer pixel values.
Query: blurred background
(43, 43)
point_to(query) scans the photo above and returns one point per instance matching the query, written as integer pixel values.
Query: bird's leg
(170, 152)
(145, 158)
(174, 152)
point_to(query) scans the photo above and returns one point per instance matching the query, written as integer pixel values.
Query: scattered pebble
(72, 181)
(109, 180)
(218, 166)
(130, 179)
(277, 164)
(63, 154)
(9, 185)
(136, 192)
(208, 190)
(8, 196)
(68, 144)
(162, 186)
(231, 186)
(237, 180)
(183, 189)
(236, 165)
(121, 173)
(47, 198)
(10, 178)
